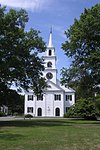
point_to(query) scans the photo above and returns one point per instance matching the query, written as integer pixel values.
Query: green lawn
(53, 134)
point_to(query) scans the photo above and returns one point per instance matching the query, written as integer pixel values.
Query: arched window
(49, 64)
(39, 112)
(50, 52)
(57, 112)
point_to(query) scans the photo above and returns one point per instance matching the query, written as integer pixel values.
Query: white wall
(51, 59)
(48, 104)
(69, 103)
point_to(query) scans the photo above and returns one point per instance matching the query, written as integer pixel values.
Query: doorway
(39, 112)
(57, 112)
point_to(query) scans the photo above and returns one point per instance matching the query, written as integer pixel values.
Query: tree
(14, 101)
(84, 108)
(20, 64)
(83, 46)
(97, 104)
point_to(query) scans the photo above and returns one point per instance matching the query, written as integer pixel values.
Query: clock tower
(50, 72)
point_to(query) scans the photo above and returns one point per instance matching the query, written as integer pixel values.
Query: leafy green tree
(84, 108)
(83, 46)
(97, 104)
(15, 103)
(20, 64)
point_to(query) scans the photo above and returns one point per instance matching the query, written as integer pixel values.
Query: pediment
(53, 87)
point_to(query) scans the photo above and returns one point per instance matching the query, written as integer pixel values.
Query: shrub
(84, 108)
(28, 116)
(15, 114)
(72, 113)
(2, 114)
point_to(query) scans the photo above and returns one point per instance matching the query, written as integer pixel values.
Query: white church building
(55, 99)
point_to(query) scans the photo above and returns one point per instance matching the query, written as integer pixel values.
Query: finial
(51, 30)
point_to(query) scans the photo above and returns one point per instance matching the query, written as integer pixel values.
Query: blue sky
(59, 14)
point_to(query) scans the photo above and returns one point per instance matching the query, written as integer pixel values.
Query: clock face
(49, 75)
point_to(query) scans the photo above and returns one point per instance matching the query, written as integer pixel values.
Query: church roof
(58, 87)
(53, 87)
(50, 39)
(64, 87)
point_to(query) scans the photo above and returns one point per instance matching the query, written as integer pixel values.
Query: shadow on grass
(10, 137)
(33, 123)
(45, 123)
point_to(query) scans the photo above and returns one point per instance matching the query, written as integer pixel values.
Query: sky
(58, 14)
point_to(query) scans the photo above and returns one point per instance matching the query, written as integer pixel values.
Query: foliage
(20, 64)
(2, 114)
(84, 108)
(83, 46)
(28, 116)
(15, 103)
(13, 100)
(97, 104)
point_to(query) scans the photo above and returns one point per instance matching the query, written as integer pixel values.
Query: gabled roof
(64, 87)
(53, 87)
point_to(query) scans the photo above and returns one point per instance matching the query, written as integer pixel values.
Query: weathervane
(51, 29)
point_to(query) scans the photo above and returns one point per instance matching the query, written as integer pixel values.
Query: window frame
(57, 97)
(30, 97)
(67, 108)
(68, 97)
(40, 97)
(29, 109)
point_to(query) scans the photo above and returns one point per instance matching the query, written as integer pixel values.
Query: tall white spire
(50, 39)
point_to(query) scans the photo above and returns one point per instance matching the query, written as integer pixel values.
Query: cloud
(32, 5)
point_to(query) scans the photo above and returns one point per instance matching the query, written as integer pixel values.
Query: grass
(52, 134)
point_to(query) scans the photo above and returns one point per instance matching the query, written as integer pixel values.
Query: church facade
(55, 99)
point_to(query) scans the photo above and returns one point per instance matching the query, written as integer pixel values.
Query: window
(40, 97)
(68, 97)
(57, 97)
(49, 64)
(30, 97)
(67, 109)
(50, 52)
(29, 109)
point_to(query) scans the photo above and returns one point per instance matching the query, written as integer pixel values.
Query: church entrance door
(57, 112)
(39, 112)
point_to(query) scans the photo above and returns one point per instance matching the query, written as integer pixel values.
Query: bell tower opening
(49, 64)
(50, 52)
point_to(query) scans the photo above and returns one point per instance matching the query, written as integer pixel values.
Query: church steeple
(50, 39)
(50, 72)
(50, 48)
